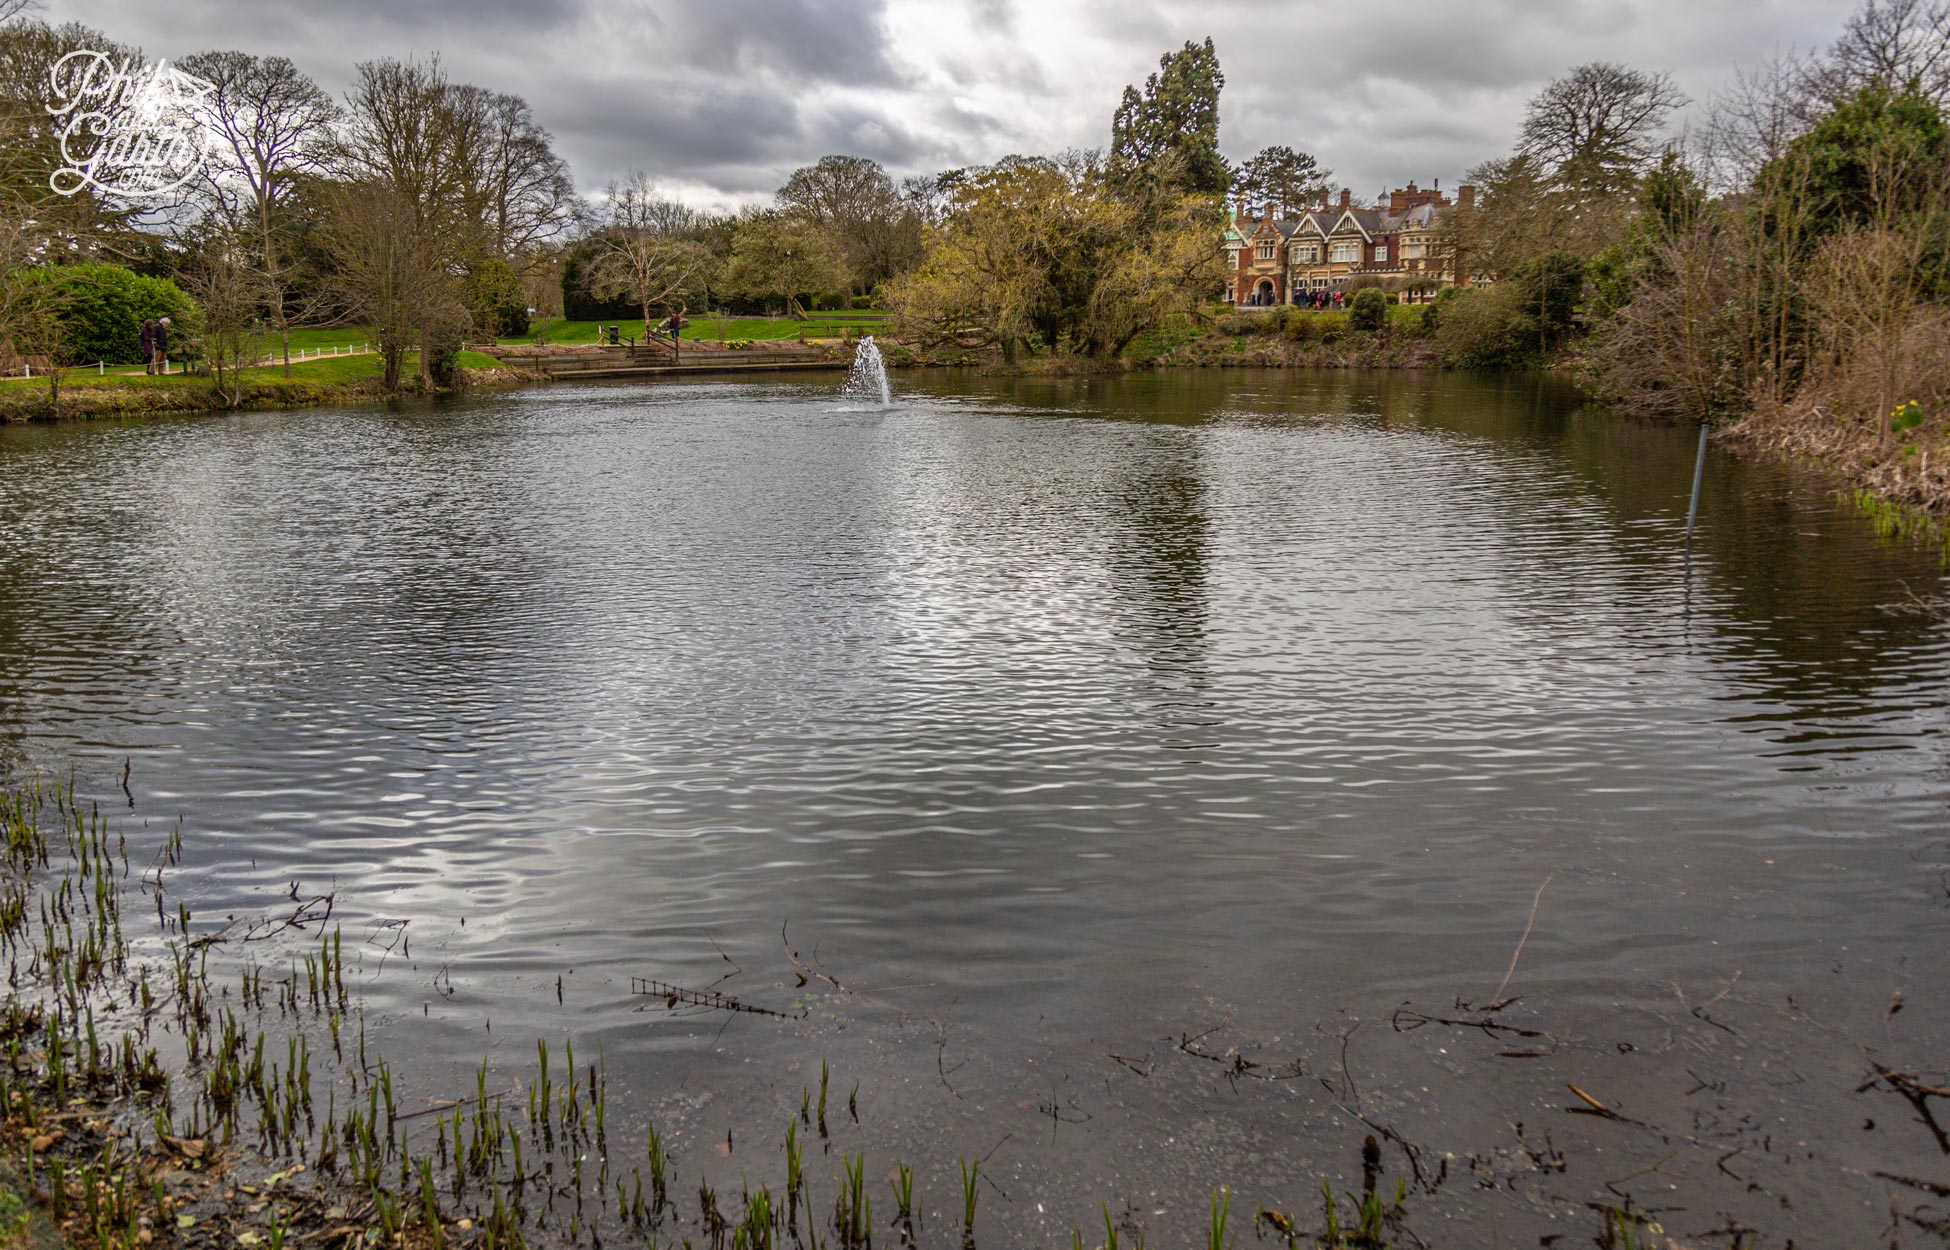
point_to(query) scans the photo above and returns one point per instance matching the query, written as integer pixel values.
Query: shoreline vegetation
(212, 1086)
(174, 1079)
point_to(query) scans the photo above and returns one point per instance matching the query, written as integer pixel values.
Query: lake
(1141, 784)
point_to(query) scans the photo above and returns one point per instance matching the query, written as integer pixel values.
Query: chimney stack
(1269, 210)
(1347, 198)
(1465, 197)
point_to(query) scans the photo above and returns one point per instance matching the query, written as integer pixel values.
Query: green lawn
(326, 369)
(557, 330)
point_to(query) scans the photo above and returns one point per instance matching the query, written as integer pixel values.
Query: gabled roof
(1364, 220)
(1311, 223)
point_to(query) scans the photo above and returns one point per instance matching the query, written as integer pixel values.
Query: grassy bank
(556, 330)
(129, 392)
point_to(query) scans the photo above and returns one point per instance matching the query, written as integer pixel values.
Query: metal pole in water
(1692, 509)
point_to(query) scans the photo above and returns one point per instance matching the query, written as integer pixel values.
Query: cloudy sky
(720, 99)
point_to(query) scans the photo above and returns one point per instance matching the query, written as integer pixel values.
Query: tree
(1878, 202)
(275, 125)
(510, 179)
(1596, 128)
(1051, 250)
(780, 255)
(647, 251)
(1288, 180)
(1896, 45)
(408, 136)
(84, 223)
(392, 269)
(854, 201)
(496, 300)
(1171, 128)
(228, 285)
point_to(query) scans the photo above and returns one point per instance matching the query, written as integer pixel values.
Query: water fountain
(867, 383)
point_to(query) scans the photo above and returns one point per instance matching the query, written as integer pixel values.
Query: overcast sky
(719, 99)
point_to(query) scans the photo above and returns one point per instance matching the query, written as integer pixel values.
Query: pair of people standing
(153, 340)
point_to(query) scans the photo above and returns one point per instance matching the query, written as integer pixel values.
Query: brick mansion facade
(1403, 243)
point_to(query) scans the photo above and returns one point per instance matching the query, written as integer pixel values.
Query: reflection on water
(1057, 720)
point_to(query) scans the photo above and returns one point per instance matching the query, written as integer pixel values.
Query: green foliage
(1484, 329)
(577, 303)
(1060, 254)
(496, 300)
(1369, 311)
(1432, 314)
(101, 309)
(1514, 323)
(1870, 147)
(1173, 123)
(1548, 290)
(444, 359)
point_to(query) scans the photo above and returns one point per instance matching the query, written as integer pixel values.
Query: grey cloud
(732, 95)
(839, 41)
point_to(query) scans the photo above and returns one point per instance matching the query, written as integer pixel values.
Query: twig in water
(1496, 999)
(1916, 1093)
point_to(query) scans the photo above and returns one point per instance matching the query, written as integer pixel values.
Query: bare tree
(408, 130)
(274, 124)
(1598, 126)
(1751, 121)
(392, 268)
(229, 286)
(30, 140)
(11, 9)
(1891, 44)
(512, 181)
(647, 251)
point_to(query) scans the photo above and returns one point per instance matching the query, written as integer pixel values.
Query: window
(1380, 253)
(1413, 251)
(1307, 254)
(1346, 252)
(1265, 251)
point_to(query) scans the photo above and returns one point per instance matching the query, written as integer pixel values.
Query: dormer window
(1265, 251)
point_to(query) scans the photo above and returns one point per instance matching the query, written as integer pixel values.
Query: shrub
(1369, 311)
(1548, 290)
(862, 301)
(1485, 330)
(101, 309)
(443, 360)
(1433, 313)
(496, 300)
(1303, 327)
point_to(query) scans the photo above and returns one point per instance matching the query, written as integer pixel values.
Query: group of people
(1319, 299)
(153, 341)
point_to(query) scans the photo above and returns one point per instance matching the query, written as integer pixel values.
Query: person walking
(159, 339)
(145, 341)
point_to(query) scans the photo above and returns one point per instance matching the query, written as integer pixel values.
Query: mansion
(1403, 242)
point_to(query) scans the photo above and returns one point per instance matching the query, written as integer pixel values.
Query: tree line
(1789, 253)
(429, 210)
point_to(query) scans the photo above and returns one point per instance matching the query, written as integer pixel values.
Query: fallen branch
(675, 996)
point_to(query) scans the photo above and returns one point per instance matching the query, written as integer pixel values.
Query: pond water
(1126, 778)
